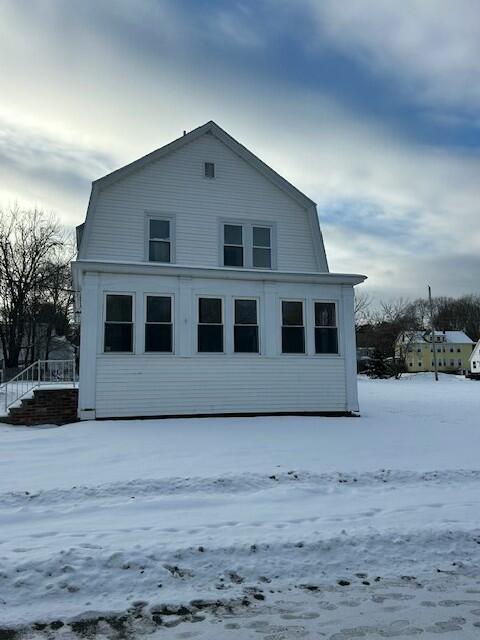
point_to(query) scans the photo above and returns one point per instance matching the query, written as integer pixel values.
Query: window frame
(204, 166)
(132, 323)
(270, 247)
(156, 294)
(247, 232)
(224, 244)
(297, 354)
(163, 217)
(337, 354)
(246, 353)
(211, 296)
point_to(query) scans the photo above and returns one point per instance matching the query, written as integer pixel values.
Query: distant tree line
(35, 285)
(380, 327)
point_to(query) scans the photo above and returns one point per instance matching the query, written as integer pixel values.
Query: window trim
(158, 215)
(198, 297)
(104, 319)
(337, 318)
(247, 230)
(305, 351)
(242, 354)
(156, 294)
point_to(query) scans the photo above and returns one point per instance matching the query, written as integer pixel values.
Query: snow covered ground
(277, 527)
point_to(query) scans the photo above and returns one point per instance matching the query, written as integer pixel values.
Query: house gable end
(210, 128)
(144, 187)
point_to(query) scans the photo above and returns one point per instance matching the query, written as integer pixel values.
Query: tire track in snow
(74, 579)
(236, 484)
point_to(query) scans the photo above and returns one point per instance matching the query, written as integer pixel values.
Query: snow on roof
(454, 337)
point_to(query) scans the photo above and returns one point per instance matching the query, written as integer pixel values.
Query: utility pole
(432, 329)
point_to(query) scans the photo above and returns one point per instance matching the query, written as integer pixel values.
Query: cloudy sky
(371, 107)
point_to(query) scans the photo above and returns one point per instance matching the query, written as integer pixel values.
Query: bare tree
(394, 325)
(361, 309)
(32, 253)
(458, 314)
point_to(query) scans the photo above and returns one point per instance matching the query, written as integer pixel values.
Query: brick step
(47, 406)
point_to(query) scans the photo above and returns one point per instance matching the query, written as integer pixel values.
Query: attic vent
(209, 170)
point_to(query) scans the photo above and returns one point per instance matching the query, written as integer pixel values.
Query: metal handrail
(35, 375)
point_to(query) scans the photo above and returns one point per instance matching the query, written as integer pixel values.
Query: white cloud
(431, 47)
(236, 27)
(46, 170)
(93, 99)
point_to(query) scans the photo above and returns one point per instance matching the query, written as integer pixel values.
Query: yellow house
(453, 350)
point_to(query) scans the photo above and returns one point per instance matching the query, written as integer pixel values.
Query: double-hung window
(118, 336)
(326, 332)
(158, 324)
(210, 325)
(245, 330)
(159, 240)
(293, 328)
(247, 244)
(233, 245)
(262, 247)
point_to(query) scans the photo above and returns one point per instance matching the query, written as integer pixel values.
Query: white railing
(41, 372)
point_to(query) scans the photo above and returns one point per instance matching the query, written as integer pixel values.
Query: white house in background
(204, 289)
(475, 360)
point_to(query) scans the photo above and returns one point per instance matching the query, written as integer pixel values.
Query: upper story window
(326, 332)
(293, 328)
(262, 247)
(210, 325)
(233, 245)
(158, 324)
(247, 245)
(209, 169)
(159, 240)
(118, 335)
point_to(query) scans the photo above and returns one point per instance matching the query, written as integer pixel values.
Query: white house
(204, 289)
(475, 361)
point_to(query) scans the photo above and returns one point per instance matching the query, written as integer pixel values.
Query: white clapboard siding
(175, 185)
(138, 386)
